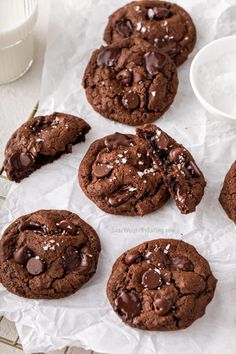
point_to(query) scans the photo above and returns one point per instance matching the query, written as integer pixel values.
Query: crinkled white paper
(86, 318)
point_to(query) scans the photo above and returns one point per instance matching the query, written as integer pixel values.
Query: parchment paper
(86, 319)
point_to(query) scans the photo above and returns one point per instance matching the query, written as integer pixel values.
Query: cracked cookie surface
(130, 81)
(42, 140)
(177, 166)
(48, 254)
(228, 193)
(163, 24)
(163, 284)
(120, 178)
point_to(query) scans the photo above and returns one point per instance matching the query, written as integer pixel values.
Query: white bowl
(207, 59)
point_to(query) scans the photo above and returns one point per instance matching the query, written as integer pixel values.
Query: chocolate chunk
(68, 227)
(182, 263)
(32, 225)
(158, 13)
(193, 169)
(151, 279)
(124, 28)
(125, 77)
(133, 257)
(117, 140)
(177, 155)
(20, 161)
(22, 255)
(102, 170)
(128, 305)
(131, 100)
(154, 62)
(108, 56)
(162, 306)
(121, 196)
(35, 266)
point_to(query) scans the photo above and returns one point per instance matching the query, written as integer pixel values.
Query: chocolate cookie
(163, 24)
(161, 285)
(228, 193)
(42, 140)
(130, 82)
(120, 178)
(48, 254)
(178, 168)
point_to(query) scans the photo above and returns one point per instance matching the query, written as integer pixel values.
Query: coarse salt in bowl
(213, 77)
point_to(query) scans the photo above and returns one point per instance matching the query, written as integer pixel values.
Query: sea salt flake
(139, 26)
(132, 189)
(157, 270)
(153, 93)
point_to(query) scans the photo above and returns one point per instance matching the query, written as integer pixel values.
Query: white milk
(17, 20)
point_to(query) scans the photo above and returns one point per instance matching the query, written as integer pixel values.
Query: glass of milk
(17, 21)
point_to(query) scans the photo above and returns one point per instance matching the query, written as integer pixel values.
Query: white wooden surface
(17, 101)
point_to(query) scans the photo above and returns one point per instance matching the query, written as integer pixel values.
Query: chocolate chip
(121, 196)
(84, 260)
(85, 250)
(102, 170)
(181, 196)
(182, 263)
(32, 225)
(108, 56)
(193, 169)
(20, 161)
(158, 13)
(117, 140)
(151, 279)
(178, 155)
(130, 100)
(124, 28)
(128, 305)
(35, 266)
(162, 306)
(41, 124)
(125, 77)
(87, 260)
(154, 62)
(162, 141)
(22, 255)
(167, 44)
(68, 227)
(72, 258)
(133, 257)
